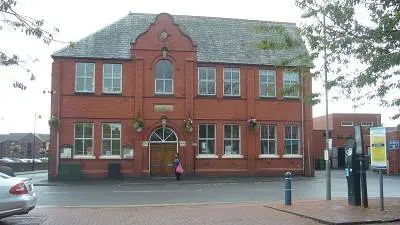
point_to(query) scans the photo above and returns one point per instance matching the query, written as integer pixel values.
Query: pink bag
(179, 168)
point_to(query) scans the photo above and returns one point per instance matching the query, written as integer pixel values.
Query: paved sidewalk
(217, 214)
(339, 212)
(306, 212)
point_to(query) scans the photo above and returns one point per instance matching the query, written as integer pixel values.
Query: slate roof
(19, 136)
(218, 40)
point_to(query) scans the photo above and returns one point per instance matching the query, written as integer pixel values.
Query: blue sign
(394, 145)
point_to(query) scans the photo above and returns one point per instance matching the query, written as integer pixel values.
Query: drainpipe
(302, 122)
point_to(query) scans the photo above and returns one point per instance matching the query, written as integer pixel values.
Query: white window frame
(343, 123)
(85, 77)
(291, 139)
(269, 74)
(290, 83)
(367, 124)
(83, 142)
(268, 139)
(112, 79)
(238, 155)
(207, 139)
(164, 79)
(111, 139)
(230, 70)
(207, 81)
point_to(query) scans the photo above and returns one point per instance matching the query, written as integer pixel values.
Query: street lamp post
(34, 140)
(328, 164)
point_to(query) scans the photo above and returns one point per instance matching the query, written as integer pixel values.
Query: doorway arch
(163, 145)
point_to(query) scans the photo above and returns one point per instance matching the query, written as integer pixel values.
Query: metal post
(34, 144)
(288, 188)
(328, 166)
(381, 188)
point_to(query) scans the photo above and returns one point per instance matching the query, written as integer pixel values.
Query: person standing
(178, 167)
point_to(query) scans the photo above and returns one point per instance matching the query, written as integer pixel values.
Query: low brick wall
(20, 167)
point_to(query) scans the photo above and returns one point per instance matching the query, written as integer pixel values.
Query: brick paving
(217, 214)
(300, 212)
(339, 212)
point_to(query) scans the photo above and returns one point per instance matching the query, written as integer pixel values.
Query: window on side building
(231, 139)
(112, 78)
(164, 82)
(206, 81)
(367, 124)
(268, 139)
(347, 123)
(85, 77)
(231, 82)
(207, 139)
(291, 84)
(111, 145)
(267, 83)
(292, 140)
(83, 144)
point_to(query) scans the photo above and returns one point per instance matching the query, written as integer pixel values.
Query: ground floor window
(207, 139)
(231, 139)
(111, 139)
(83, 139)
(292, 140)
(268, 139)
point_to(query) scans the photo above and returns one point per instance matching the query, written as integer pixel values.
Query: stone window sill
(233, 156)
(84, 157)
(268, 156)
(207, 156)
(110, 157)
(293, 156)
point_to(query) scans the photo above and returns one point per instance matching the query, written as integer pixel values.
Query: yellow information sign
(378, 147)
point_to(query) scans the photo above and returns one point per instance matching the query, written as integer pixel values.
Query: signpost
(378, 154)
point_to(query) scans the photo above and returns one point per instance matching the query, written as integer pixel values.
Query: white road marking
(152, 191)
(149, 205)
(54, 192)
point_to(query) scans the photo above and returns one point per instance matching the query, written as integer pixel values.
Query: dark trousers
(178, 176)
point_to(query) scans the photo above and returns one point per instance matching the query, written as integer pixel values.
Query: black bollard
(288, 188)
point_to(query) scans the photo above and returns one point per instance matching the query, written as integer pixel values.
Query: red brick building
(148, 86)
(341, 128)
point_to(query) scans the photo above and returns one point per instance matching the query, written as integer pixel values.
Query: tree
(13, 20)
(349, 38)
(15, 149)
(301, 61)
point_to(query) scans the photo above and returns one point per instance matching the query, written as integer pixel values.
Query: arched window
(163, 134)
(164, 82)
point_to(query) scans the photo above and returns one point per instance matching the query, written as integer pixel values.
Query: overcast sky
(77, 19)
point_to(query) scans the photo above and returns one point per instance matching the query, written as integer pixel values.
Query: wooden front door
(162, 159)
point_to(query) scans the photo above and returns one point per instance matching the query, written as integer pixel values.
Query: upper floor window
(347, 123)
(291, 84)
(231, 82)
(84, 77)
(206, 81)
(164, 82)
(267, 83)
(112, 78)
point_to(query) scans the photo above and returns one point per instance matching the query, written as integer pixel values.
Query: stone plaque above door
(163, 108)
